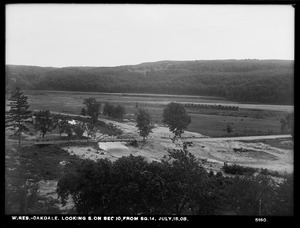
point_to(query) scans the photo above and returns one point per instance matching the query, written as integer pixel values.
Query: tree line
(247, 80)
(114, 111)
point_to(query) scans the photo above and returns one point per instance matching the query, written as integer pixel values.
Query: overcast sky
(110, 35)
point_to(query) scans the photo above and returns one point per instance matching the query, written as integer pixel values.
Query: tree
(92, 108)
(176, 118)
(125, 186)
(83, 112)
(108, 109)
(18, 114)
(130, 185)
(62, 125)
(68, 129)
(287, 123)
(144, 123)
(186, 184)
(44, 122)
(89, 126)
(253, 195)
(116, 112)
(79, 129)
(119, 112)
(284, 203)
(229, 128)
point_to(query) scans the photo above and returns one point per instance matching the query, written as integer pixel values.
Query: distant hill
(262, 81)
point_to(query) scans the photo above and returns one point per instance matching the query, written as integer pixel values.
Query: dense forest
(261, 81)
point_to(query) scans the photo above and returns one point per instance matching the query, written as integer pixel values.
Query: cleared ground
(256, 154)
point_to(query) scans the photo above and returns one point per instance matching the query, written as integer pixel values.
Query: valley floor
(252, 151)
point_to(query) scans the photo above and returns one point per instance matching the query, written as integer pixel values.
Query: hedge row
(209, 106)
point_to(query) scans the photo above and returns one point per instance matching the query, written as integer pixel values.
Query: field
(249, 120)
(43, 165)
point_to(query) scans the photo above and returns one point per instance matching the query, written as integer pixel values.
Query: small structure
(72, 122)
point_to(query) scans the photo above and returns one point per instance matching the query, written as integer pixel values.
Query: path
(242, 138)
(84, 140)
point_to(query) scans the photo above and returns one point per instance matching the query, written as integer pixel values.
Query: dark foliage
(265, 81)
(83, 112)
(229, 128)
(119, 112)
(108, 109)
(92, 108)
(176, 118)
(176, 185)
(238, 169)
(144, 123)
(24, 169)
(260, 195)
(287, 123)
(44, 122)
(112, 111)
(272, 173)
(132, 186)
(19, 113)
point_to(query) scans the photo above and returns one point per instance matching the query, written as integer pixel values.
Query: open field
(250, 119)
(75, 98)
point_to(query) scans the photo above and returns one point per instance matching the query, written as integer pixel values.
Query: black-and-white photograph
(149, 111)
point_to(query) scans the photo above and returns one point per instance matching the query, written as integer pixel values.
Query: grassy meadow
(207, 122)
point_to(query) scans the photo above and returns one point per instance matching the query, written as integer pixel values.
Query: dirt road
(242, 138)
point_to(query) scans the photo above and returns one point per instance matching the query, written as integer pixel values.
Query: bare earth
(215, 151)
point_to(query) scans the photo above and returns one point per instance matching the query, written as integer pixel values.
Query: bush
(264, 172)
(134, 143)
(271, 173)
(237, 169)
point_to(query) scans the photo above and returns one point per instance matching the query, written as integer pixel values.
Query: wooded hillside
(262, 81)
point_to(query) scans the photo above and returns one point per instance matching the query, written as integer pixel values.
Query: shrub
(237, 169)
(134, 143)
(271, 173)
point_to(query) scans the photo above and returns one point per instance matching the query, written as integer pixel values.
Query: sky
(61, 35)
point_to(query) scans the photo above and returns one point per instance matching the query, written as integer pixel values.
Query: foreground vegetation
(25, 167)
(176, 185)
